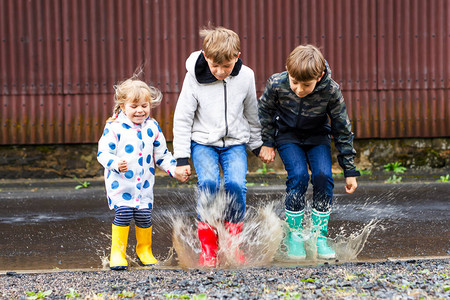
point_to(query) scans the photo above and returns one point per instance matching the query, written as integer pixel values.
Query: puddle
(377, 222)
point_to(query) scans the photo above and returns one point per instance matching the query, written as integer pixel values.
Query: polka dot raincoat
(141, 146)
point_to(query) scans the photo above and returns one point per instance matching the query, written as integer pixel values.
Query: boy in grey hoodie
(216, 119)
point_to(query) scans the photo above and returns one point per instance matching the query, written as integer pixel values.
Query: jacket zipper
(225, 102)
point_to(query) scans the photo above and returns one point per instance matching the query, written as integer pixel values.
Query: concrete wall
(67, 161)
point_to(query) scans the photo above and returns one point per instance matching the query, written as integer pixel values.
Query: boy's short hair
(305, 63)
(220, 44)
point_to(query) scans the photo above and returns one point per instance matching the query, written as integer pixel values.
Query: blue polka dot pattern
(129, 148)
(141, 147)
(114, 184)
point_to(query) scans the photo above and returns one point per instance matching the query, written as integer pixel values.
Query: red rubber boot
(208, 238)
(235, 230)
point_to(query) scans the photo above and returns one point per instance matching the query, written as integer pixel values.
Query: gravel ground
(410, 279)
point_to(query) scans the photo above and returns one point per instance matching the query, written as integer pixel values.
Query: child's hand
(267, 154)
(123, 166)
(351, 184)
(182, 173)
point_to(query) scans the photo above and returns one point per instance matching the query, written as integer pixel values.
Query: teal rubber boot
(294, 242)
(320, 225)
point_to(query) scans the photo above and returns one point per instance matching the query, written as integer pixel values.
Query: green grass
(82, 184)
(395, 167)
(394, 179)
(445, 178)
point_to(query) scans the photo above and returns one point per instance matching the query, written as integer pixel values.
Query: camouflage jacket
(286, 118)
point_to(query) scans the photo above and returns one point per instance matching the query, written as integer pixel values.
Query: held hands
(267, 154)
(182, 173)
(350, 185)
(123, 166)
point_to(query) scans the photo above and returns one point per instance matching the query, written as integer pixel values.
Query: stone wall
(67, 161)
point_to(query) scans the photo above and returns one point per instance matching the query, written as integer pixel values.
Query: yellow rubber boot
(118, 260)
(144, 246)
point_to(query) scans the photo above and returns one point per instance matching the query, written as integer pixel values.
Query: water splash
(260, 238)
(348, 247)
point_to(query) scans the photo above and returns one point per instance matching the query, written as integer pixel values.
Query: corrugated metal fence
(59, 59)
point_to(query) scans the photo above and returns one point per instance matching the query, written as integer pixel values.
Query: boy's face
(137, 111)
(303, 88)
(223, 70)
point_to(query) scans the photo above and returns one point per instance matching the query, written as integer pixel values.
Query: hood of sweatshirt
(325, 80)
(197, 66)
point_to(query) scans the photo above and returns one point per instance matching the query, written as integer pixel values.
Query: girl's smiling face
(137, 111)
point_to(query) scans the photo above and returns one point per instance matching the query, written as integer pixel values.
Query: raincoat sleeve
(107, 149)
(342, 133)
(266, 111)
(163, 158)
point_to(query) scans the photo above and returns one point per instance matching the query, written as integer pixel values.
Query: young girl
(131, 144)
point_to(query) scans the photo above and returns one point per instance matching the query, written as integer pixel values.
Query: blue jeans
(233, 160)
(296, 160)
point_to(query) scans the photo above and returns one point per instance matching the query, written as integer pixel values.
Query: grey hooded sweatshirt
(215, 112)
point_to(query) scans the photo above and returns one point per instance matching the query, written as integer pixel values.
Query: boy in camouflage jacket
(299, 111)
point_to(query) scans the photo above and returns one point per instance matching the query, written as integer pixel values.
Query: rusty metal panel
(27, 119)
(399, 113)
(388, 56)
(363, 110)
(102, 44)
(30, 56)
(344, 30)
(85, 117)
(171, 30)
(413, 44)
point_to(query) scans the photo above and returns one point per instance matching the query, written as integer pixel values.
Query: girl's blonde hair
(134, 90)
(220, 44)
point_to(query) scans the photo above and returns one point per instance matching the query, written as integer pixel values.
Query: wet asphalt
(48, 224)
